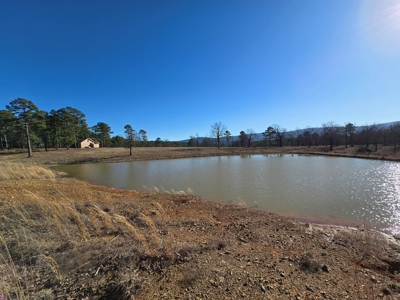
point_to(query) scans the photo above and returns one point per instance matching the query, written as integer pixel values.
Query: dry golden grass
(39, 218)
(16, 171)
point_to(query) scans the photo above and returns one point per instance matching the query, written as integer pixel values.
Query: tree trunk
(57, 141)
(28, 140)
(130, 149)
(56, 136)
(46, 141)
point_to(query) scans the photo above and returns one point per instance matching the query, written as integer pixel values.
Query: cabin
(90, 143)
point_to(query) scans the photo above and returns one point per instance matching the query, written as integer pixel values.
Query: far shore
(55, 157)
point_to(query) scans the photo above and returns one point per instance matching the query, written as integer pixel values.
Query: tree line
(24, 125)
(329, 134)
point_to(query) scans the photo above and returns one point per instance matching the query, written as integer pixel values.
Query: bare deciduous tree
(279, 134)
(330, 130)
(395, 134)
(218, 130)
(250, 134)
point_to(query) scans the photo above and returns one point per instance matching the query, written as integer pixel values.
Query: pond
(332, 190)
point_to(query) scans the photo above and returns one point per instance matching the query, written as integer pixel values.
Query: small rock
(309, 288)
(325, 268)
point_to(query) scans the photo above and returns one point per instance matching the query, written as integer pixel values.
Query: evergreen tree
(102, 131)
(130, 137)
(8, 124)
(26, 111)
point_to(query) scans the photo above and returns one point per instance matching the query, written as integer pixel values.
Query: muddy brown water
(334, 190)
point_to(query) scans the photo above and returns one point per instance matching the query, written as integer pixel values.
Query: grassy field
(61, 238)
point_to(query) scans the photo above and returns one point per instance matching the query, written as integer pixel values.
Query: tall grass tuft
(17, 171)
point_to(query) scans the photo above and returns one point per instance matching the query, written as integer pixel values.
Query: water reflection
(328, 189)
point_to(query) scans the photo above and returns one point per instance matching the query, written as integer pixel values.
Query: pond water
(333, 190)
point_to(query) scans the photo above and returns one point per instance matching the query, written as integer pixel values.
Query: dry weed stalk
(159, 206)
(9, 271)
(53, 266)
(74, 216)
(137, 235)
(241, 202)
(105, 217)
(367, 234)
(152, 236)
(190, 191)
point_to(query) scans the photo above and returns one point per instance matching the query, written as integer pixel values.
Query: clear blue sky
(174, 68)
